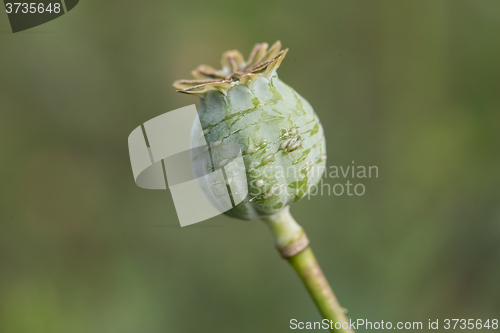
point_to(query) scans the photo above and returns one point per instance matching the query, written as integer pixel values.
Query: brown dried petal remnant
(261, 62)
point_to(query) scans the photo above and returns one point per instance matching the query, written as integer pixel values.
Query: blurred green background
(412, 87)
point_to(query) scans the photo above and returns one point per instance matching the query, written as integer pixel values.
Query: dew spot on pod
(251, 147)
(259, 183)
(285, 143)
(268, 158)
(295, 145)
(270, 192)
(222, 163)
(216, 144)
(322, 158)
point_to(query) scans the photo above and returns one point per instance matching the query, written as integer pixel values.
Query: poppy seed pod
(279, 134)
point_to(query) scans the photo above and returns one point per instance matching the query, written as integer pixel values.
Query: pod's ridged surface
(259, 119)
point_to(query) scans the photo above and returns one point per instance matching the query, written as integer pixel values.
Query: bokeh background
(412, 87)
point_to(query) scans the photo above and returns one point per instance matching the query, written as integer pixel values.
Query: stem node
(293, 245)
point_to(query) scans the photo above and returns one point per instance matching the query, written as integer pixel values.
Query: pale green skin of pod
(259, 119)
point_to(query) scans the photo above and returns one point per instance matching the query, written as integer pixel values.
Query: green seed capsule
(277, 130)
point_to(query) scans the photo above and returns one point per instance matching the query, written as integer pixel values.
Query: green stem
(287, 232)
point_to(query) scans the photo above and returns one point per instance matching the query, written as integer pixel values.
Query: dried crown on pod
(280, 135)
